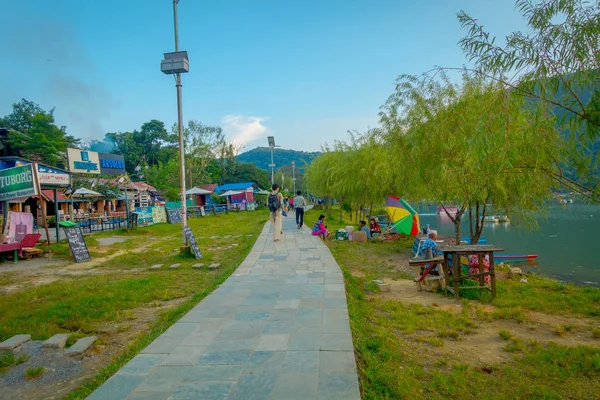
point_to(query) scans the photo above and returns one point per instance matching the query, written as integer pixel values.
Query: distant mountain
(261, 157)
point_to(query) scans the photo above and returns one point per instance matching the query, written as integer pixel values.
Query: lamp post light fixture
(177, 63)
(294, 174)
(271, 140)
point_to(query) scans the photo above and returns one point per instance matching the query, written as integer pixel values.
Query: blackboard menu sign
(191, 239)
(77, 244)
(174, 215)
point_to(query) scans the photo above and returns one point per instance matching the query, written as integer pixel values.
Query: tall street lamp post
(177, 63)
(294, 174)
(271, 140)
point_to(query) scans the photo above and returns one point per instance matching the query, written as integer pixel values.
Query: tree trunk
(341, 209)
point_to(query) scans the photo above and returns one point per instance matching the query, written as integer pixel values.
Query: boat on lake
(452, 210)
(496, 218)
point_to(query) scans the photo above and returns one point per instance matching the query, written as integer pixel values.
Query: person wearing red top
(374, 227)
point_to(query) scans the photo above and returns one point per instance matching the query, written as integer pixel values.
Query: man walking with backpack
(299, 204)
(275, 204)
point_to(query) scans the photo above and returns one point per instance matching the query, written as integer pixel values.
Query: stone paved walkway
(276, 329)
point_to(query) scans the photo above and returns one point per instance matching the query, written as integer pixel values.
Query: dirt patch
(42, 271)
(65, 373)
(483, 346)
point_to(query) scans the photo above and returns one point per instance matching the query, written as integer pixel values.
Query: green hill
(261, 157)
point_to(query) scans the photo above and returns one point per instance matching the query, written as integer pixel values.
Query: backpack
(273, 203)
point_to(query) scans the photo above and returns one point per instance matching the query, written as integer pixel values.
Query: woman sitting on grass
(319, 228)
(374, 227)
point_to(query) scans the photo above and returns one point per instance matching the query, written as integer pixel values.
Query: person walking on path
(299, 205)
(275, 204)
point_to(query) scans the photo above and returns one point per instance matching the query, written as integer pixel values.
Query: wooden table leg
(456, 273)
(15, 256)
(445, 269)
(493, 275)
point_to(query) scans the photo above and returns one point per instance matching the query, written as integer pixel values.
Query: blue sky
(304, 71)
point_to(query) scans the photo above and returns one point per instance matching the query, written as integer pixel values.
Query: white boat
(496, 218)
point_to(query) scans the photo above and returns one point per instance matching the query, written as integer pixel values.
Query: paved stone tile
(296, 386)
(335, 326)
(249, 316)
(305, 341)
(161, 379)
(329, 314)
(262, 362)
(116, 387)
(254, 387)
(57, 341)
(276, 329)
(224, 357)
(215, 373)
(181, 329)
(184, 355)
(81, 346)
(287, 304)
(233, 344)
(273, 342)
(14, 341)
(136, 395)
(163, 345)
(301, 361)
(143, 364)
(338, 387)
(337, 362)
(202, 390)
(336, 342)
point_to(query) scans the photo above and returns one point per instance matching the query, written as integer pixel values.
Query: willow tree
(470, 143)
(356, 172)
(556, 66)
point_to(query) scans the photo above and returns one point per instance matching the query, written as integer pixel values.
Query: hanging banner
(17, 182)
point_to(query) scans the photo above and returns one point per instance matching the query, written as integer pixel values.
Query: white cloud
(242, 129)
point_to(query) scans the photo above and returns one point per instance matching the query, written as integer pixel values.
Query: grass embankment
(482, 349)
(113, 290)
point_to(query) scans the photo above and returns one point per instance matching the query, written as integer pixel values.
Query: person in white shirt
(299, 205)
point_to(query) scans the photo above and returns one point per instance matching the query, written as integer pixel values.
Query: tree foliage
(37, 137)
(556, 65)
(471, 144)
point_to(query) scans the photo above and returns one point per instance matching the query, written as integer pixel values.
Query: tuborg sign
(17, 182)
(90, 162)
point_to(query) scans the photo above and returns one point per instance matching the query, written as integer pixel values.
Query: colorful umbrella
(403, 217)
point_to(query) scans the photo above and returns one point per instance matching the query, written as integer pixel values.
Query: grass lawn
(117, 283)
(539, 340)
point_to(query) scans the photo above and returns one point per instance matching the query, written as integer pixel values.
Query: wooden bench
(429, 264)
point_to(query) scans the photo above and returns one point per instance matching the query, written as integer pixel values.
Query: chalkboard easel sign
(77, 243)
(191, 239)
(174, 215)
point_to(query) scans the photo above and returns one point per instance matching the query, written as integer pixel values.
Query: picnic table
(452, 254)
(15, 247)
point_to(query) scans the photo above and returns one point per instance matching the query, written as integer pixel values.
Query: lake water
(567, 241)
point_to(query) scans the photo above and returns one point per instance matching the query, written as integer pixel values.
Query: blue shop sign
(111, 164)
